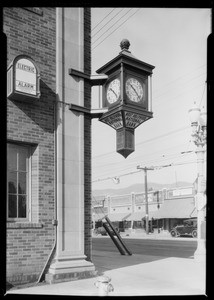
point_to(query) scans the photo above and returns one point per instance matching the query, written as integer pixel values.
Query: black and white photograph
(106, 150)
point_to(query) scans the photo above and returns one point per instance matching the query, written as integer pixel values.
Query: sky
(175, 42)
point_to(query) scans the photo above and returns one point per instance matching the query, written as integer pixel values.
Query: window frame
(28, 183)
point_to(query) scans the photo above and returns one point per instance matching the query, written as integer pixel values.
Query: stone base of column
(70, 269)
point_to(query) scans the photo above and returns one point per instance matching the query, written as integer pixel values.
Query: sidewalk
(139, 275)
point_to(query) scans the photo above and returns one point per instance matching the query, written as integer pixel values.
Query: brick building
(48, 145)
(165, 208)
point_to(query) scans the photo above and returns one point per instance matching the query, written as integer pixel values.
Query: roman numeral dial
(113, 91)
(134, 89)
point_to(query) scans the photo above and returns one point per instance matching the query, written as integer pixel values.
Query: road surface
(184, 248)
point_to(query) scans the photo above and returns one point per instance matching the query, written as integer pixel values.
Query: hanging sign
(25, 76)
(23, 79)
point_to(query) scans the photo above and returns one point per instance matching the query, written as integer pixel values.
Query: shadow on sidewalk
(104, 260)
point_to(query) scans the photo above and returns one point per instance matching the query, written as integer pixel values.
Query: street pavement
(135, 275)
(141, 234)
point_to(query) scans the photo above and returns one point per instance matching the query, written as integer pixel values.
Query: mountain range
(139, 187)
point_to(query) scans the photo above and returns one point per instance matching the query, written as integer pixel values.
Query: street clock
(128, 80)
(127, 95)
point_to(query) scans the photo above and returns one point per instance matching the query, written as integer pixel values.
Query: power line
(177, 96)
(107, 178)
(111, 25)
(186, 82)
(147, 161)
(103, 19)
(151, 161)
(155, 168)
(145, 156)
(150, 140)
(105, 25)
(164, 135)
(181, 77)
(116, 29)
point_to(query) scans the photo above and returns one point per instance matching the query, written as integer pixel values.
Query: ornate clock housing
(127, 94)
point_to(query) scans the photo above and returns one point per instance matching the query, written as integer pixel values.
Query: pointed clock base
(125, 141)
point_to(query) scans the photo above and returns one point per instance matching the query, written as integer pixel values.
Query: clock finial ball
(124, 44)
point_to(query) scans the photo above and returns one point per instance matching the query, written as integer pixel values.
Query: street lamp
(198, 121)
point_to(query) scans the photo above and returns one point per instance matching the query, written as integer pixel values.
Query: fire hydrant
(104, 286)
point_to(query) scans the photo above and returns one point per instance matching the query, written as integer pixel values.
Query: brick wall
(87, 133)
(33, 33)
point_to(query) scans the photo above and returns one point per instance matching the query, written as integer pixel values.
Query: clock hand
(113, 91)
(135, 91)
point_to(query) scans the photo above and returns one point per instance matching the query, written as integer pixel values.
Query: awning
(179, 208)
(138, 216)
(118, 217)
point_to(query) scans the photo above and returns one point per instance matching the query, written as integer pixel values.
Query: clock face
(134, 89)
(113, 91)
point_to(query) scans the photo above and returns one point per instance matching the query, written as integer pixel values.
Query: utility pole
(146, 196)
(158, 206)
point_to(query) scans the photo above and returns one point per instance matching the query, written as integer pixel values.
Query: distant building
(179, 204)
(130, 208)
(166, 208)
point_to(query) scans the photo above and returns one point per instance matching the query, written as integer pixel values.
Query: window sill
(14, 225)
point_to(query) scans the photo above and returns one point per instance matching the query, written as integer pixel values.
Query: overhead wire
(155, 168)
(116, 28)
(145, 156)
(164, 135)
(149, 140)
(186, 82)
(103, 19)
(105, 25)
(151, 162)
(188, 90)
(93, 42)
(181, 77)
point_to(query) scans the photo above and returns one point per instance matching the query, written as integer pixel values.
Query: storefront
(174, 211)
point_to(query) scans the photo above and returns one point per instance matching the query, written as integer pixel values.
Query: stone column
(70, 260)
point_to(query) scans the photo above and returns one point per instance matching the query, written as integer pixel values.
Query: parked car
(188, 228)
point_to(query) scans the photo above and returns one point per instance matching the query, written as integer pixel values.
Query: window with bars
(18, 169)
